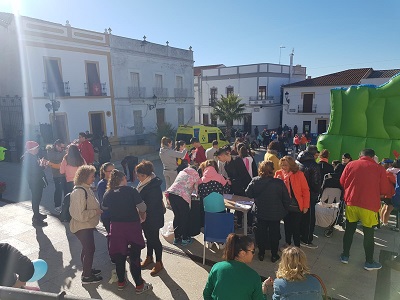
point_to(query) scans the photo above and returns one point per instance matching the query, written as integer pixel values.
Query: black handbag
(293, 205)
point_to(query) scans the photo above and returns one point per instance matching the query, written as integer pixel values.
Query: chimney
(291, 66)
(308, 77)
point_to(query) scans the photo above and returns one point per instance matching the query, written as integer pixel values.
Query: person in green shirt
(233, 278)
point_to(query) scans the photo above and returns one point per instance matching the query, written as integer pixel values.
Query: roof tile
(347, 77)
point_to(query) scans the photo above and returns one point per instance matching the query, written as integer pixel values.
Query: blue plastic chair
(217, 227)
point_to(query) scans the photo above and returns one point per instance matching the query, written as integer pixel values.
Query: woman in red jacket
(298, 189)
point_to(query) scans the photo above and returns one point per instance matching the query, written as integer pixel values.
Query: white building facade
(307, 103)
(70, 64)
(153, 85)
(258, 85)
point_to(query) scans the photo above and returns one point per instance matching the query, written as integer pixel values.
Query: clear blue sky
(328, 36)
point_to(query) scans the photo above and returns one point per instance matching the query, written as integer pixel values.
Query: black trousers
(268, 230)
(181, 211)
(37, 192)
(307, 225)
(128, 164)
(239, 216)
(292, 228)
(153, 241)
(86, 237)
(368, 240)
(134, 265)
(106, 223)
(59, 191)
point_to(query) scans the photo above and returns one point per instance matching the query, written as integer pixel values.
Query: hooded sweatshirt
(168, 157)
(185, 183)
(210, 174)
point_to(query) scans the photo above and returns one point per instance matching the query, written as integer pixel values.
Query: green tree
(229, 109)
(164, 129)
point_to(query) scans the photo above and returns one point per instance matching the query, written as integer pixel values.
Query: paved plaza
(184, 276)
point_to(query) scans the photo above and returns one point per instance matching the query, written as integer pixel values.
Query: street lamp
(152, 106)
(54, 105)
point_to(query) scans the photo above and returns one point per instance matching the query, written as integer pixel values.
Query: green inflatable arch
(364, 116)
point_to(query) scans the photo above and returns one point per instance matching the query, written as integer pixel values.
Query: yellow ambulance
(205, 134)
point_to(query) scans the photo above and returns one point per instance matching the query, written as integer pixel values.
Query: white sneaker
(310, 245)
(58, 209)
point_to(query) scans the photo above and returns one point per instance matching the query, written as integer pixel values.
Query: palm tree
(229, 109)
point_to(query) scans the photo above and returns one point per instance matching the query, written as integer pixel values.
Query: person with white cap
(36, 180)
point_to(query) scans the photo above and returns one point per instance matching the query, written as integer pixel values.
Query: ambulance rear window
(212, 137)
(184, 137)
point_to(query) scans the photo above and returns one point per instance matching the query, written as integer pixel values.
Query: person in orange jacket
(298, 189)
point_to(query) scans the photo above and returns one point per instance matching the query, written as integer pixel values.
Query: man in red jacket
(363, 181)
(86, 148)
(200, 153)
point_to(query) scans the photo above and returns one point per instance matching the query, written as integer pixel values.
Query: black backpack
(65, 215)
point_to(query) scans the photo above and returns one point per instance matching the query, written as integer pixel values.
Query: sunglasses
(252, 251)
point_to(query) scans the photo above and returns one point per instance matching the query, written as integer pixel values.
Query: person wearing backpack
(85, 215)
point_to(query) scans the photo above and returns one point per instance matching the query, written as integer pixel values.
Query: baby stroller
(329, 209)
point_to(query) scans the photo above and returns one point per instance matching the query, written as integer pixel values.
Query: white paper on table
(228, 196)
(244, 206)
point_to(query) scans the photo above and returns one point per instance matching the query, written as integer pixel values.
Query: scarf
(321, 159)
(145, 182)
(210, 174)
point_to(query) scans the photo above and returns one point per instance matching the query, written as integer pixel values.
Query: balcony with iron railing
(160, 92)
(136, 92)
(212, 102)
(180, 93)
(95, 89)
(308, 109)
(61, 89)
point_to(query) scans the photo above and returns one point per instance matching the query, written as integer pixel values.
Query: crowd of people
(288, 189)
(283, 188)
(124, 211)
